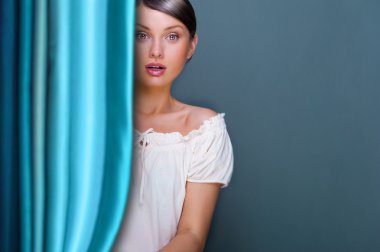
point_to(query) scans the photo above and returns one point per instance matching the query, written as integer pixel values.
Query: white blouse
(162, 163)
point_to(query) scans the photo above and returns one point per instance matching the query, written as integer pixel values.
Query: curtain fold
(39, 74)
(9, 177)
(57, 169)
(66, 122)
(87, 112)
(24, 113)
(119, 127)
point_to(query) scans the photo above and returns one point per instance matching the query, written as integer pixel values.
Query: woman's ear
(193, 45)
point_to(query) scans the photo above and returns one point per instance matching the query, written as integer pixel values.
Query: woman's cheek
(177, 68)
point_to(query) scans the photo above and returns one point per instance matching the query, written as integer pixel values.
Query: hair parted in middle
(179, 9)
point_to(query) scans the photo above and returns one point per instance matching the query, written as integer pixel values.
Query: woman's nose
(156, 50)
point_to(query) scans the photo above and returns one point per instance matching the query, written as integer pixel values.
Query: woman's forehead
(153, 19)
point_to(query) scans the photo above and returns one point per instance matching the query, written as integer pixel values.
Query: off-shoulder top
(162, 163)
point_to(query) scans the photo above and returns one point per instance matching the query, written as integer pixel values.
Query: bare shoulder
(204, 113)
(200, 114)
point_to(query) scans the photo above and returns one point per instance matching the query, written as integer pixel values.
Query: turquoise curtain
(66, 122)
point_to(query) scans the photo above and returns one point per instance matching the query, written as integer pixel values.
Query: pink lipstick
(155, 69)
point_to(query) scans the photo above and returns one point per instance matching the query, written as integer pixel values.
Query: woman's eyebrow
(143, 26)
(173, 26)
(167, 28)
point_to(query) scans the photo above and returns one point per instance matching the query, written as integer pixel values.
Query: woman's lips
(155, 72)
(155, 69)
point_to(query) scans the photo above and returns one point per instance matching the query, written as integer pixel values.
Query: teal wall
(299, 81)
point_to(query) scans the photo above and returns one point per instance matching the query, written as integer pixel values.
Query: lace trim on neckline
(205, 124)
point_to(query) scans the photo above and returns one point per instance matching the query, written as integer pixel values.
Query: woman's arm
(197, 212)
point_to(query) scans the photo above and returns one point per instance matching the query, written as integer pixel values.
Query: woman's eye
(141, 36)
(173, 36)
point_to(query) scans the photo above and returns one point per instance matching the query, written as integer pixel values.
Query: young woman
(182, 154)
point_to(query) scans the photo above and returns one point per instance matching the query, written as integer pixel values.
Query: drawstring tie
(142, 140)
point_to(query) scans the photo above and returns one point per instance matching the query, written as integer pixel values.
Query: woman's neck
(153, 101)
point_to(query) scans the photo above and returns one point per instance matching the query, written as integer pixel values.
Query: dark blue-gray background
(299, 81)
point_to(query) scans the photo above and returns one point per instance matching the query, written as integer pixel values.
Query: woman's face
(162, 47)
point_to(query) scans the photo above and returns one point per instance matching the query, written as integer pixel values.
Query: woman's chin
(156, 82)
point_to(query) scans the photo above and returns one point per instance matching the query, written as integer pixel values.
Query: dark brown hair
(179, 9)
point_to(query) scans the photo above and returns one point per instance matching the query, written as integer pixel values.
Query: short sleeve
(212, 157)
